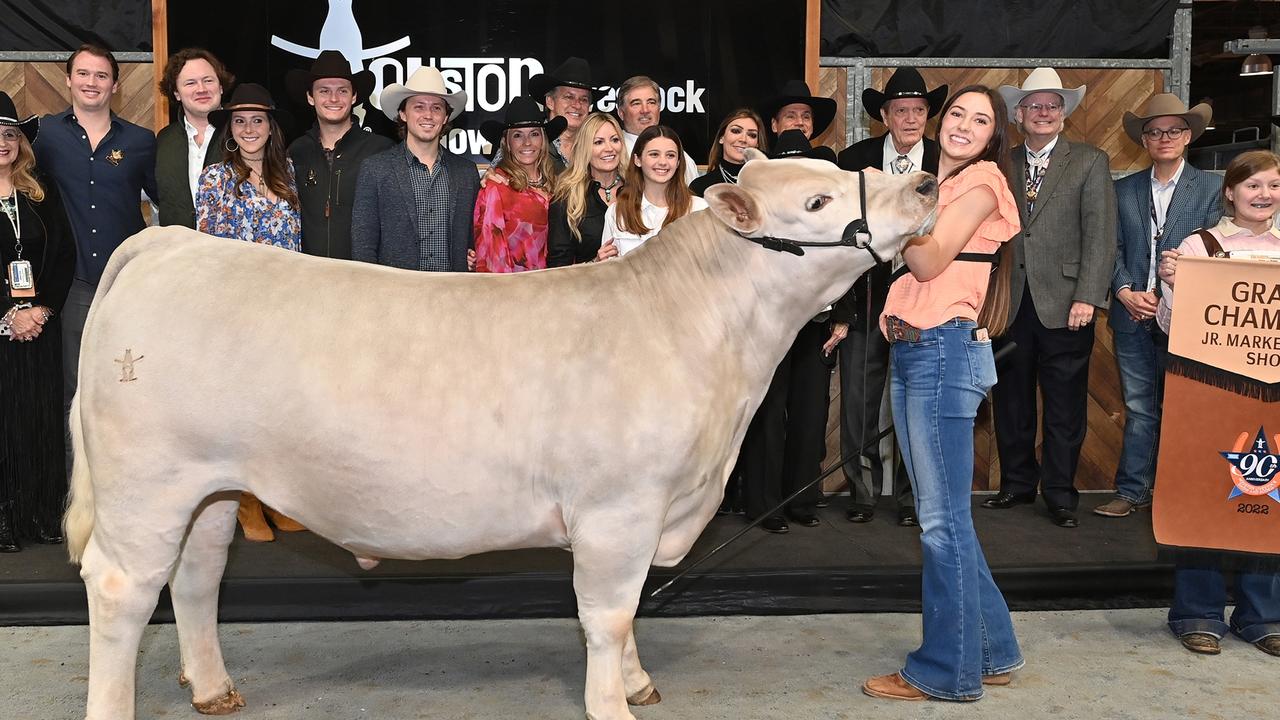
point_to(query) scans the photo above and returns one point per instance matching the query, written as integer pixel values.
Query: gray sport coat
(1066, 250)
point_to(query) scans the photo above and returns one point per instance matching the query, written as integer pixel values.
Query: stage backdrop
(709, 56)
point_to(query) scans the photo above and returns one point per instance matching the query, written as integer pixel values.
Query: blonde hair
(22, 172)
(519, 179)
(574, 184)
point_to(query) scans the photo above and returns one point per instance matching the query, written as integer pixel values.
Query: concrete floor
(1114, 664)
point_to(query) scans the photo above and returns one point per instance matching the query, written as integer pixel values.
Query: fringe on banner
(1219, 378)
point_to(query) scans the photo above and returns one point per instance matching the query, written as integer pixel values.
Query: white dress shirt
(890, 154)
(652, 216)
(1161, 194)
(195, 154)
(690, 167)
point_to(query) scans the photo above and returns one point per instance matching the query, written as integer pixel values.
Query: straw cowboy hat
(9, 118)
(906, 82)
(423, 81)
(574, 73)
(1042, 80)
(1167, 105)
(521, 112)
(329, 64)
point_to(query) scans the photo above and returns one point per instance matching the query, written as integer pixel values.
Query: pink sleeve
(988, 175)
(490, 231)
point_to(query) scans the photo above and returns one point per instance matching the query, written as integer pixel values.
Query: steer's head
(813, 201)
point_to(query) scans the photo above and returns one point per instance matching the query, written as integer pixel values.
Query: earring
(230, 144)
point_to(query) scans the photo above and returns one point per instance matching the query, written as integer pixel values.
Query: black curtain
(51, 25)
(997, 28)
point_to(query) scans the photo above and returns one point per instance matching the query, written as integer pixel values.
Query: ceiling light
(1255, 65)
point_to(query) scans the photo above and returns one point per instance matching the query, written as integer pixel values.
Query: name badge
(21, 281)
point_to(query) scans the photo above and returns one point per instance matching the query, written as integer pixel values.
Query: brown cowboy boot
(252, 520)
(283, 522)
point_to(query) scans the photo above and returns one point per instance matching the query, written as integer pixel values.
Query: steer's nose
(927, 187)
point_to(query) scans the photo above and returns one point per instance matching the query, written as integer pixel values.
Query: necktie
(901, 165)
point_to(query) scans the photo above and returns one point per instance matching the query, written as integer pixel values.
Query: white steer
(597, 408)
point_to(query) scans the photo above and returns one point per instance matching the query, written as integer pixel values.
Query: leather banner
(1218, 471)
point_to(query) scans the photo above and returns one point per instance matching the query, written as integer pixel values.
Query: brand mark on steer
(126, 365)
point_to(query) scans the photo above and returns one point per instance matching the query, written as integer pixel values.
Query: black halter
(856, 234)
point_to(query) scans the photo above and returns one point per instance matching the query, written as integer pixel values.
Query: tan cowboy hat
(423, 81)
(1167, 105)
(1042, 80)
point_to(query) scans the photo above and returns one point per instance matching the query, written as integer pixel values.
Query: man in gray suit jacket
(414, 202)
(1063, 258)
(1158, 209)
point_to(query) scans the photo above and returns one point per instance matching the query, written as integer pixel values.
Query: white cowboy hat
(1042, 80)
(423, 81)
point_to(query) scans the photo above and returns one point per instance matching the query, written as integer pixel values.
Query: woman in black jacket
(584, 192)
(37, 251)
(740, 129)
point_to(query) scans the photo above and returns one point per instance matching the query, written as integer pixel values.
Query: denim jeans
(1200, 597)
(1140, 356)
(937, 385)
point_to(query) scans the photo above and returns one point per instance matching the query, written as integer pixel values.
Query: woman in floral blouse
(251, 195)
(511, 216)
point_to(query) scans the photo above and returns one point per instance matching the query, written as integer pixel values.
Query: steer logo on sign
(1256, 472)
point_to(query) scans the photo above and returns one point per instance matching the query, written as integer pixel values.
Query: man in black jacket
(326, 160)
(195, 79)
(904, 107)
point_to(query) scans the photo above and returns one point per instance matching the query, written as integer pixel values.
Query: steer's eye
(817, 202)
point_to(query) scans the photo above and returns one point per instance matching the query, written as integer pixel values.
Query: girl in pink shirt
(937, 318)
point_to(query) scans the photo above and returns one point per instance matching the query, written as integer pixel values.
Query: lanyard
(14, 216)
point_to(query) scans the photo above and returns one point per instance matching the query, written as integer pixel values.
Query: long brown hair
(994, 314)
(679, 197)
(573, 184)
(716, 155)
(519, 179)
(22, 173)
(1241, 168)
(275, 163)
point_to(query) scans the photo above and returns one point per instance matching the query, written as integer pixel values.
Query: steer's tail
(77, 523)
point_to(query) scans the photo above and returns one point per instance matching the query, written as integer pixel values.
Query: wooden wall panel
(41, 89)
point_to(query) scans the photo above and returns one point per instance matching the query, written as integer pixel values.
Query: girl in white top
(653, 193)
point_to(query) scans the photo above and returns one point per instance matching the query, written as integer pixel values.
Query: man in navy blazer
(1158, 209)
(414, 202)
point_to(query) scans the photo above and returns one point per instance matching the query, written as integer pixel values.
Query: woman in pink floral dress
(511, 217)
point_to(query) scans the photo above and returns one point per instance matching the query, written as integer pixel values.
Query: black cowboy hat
(905, 82)
(793, 144)
(9, 118)
(329, 64)
(797, 91)
(520, 112)
(574, 72)
(249, 96)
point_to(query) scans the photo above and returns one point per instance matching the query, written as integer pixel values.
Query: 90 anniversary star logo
(1256, 472)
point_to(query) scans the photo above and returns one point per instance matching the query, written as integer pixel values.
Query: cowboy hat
(329, 64)
(1167, 105)
(423, 81)
(9, 118)
(797, 91)
(249, 96)
(520, 113)
(1042, 80)
(905, 82)
(792, 144)
(574, 72)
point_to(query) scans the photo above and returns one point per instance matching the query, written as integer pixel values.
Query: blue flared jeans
(937, 384)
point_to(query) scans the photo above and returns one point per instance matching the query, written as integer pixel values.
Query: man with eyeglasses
(1062, 261)
(1158, 208)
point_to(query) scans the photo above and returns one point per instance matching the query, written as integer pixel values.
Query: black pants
(864, 365)
(1059, 360)
(74, 312)
(784, 445)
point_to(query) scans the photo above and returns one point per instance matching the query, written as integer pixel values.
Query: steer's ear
(735, 206)
(754, 154)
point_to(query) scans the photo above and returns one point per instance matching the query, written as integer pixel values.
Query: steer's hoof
(647, 696)
(182, 680)
(224, 705)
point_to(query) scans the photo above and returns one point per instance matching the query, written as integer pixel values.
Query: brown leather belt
(897, 329)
